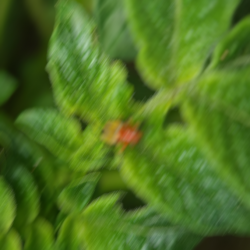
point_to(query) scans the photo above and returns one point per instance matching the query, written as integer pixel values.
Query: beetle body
(123, 133)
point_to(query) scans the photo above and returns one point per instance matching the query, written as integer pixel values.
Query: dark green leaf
(106, 226)
(60, 134)
(77, 194)
(26, 193)
(175, 37)
(113, 32)
(71, 234)
(7, 207)
(39, 235)
(85, 82)
(7, 86)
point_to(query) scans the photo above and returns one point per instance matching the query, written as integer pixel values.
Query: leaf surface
(85, 82)
(175, 37)
(106, 226)
(170, 172)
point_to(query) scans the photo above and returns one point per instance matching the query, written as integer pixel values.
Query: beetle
(118, 132)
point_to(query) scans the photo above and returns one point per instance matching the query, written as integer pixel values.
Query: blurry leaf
(11, 241)
(113, 32)
(7, 86)
(93, 153)
(40, 236)
(26, 194)
(173, 176)
(84, 80)
(235, 47)
(218, 111)
(70, 234)
(7, 207)
(106, 226)
(175, 37)
(59, 134)
(75, 196)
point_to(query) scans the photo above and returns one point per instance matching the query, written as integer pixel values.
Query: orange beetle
(118, 132)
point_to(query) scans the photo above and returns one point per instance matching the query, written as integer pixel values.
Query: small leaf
(7, 86)
(7, 207)
(171, 174)
(235, 47)
(11, 241)
(59, 134)
(77, 194)
(113, 32)
(70, 234)
(175, 37)
(39, 235)
(84, 80)
(218, 111)
(26, 194)
(106, 226)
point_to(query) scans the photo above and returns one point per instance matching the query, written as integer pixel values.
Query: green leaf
(92, 154)
(234, 48)
(39, 235)
(113, 32)
(77, 194)
(85, 82)
(26, 194)
(175, 37)
(218, 111)
(106, 226)
(11, 241)
(7, 207)
(172, 175)
(59, 134)
(7, 86)
(70, 234)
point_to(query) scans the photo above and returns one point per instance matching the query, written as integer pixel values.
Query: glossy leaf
(234, 49)
(59, 134)
(7, 207)
(26, 194)
(75, 196)
(7, 86)
(107, 226)
(11, 241)
(39, 235)
(175, 37)
(218, 111)
(113, 32)
(172, 174)
(84, 81)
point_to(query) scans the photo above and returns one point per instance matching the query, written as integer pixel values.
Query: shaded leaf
(113, 32)
(7, 86)
(171, 174)
(26, 194)
(234, 49)
(7, 207)
(11, 241)
(70, 234)
(106, 226)
(175, 37)
(75, 196)
(84, 80)
(39, 235)
(59, 134)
